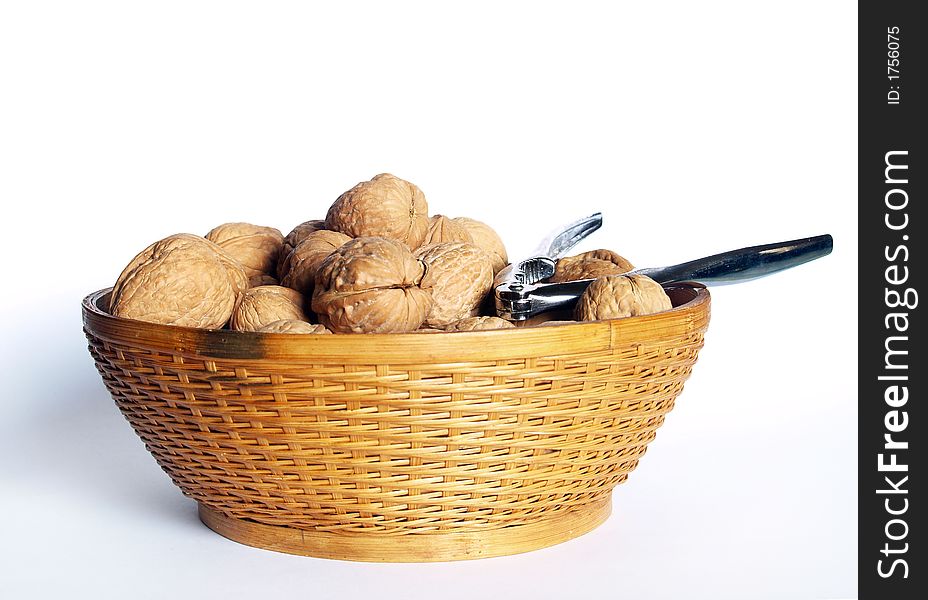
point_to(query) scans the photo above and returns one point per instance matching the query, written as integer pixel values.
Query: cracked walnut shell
(184, 280)
(458, 275)
(386, 206)
(265, 304)
(616, 296)
(590, 265)
(370, 285)
(255, 246)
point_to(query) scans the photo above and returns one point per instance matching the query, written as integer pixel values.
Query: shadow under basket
(400, 447)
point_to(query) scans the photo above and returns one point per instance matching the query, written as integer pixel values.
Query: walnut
(293, 239)
(294, 326)
(265, 304)
(458, 275)
(480, 324)
(302, 231)
(386, 206)
(541, 318)
(555, 323)
(590, 265)
(442, 229)
(262, 279)
(370, 285)
(487, 239)
(615, 296)
(305, 259)
(256, 247)
(183, 279)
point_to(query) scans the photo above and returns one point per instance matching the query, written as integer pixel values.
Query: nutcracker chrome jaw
(515, 283)
(518, 302)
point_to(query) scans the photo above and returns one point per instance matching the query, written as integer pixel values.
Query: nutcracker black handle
(734, 266)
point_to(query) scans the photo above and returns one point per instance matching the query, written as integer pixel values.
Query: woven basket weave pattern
(399, 448)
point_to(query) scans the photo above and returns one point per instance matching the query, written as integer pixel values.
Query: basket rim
(691, 315)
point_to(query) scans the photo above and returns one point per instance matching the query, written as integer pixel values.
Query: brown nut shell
(617, 296)
(386, 206)
(265, 304)
(555, 323)
(370, 285)
(294, 326)
(293, 239)
(442, 229)
(486, 238)
(184, 280)
(262, 279)
(480, 324)
(305, 259)
(255, 246)
(590, 265)
(555, 315)
(459, 276)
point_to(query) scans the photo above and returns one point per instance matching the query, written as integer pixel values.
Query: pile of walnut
(377, 263)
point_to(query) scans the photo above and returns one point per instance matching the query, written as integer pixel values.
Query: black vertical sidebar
(891, 266)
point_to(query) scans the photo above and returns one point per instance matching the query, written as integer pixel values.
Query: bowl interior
(679, 294)
(690, 304)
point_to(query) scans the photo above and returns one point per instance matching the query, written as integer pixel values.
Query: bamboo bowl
(400, 447)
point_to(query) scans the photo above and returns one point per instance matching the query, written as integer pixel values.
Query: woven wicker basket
(400, 447)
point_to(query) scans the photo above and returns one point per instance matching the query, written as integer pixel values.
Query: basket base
(432, 547)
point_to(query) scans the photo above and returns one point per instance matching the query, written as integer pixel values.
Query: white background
(695, 127)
